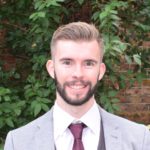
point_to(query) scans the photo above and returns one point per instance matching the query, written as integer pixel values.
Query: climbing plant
(26, 90)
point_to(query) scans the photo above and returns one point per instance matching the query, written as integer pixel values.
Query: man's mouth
(77, 87)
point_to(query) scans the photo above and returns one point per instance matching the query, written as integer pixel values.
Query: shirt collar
(62, 120)
(92, 119)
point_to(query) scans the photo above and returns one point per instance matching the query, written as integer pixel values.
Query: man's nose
(78, 71)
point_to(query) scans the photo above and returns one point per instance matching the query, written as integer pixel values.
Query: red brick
(140, 117)
(130, 99)
(146, 91)
(137, 84)
(146, 99)
(124, 67)
(146, 44)
(134, 99)
(134, 107)
(127, 107)
(9, 61)
(123, 99)
(146, 83)
(133, 91)
(142, 107)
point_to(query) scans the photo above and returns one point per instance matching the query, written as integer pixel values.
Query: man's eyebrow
(65, 58)
(92, 60)
(70, 59)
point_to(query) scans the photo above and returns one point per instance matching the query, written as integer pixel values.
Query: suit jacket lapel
(44, 137)
(112, 134)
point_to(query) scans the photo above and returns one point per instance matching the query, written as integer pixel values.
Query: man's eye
(67, 62)
(89, 63)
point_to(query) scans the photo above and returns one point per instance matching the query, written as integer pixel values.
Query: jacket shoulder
(25, 136)
(44, 119)
(121, 122)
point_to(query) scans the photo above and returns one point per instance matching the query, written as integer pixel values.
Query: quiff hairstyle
(77, 31)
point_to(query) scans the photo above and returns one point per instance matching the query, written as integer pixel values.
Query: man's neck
(75, 111)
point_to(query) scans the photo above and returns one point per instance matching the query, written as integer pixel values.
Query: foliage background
(26, 90)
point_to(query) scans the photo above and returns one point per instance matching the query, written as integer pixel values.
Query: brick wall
(9, 61)
(135, 101)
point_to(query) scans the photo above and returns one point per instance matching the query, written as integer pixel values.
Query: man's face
(76, 69)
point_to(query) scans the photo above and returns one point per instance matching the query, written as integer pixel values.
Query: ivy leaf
(116, 107)
(115, 100)
(37, 109)
(37, 4)
(80, 2)
(103, 15)
(1, 122)
(112, 93)
(9, 122)
(17, 112)
(128, 59)
(95, 15)
(45, 107)
(41, 14)
(137, 59)
(4, 91)
(17, 76)
(7, 98)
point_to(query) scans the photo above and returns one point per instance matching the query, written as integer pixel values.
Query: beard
(61, 89)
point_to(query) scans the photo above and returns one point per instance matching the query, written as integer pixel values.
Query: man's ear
(50, 68)
(102, 70)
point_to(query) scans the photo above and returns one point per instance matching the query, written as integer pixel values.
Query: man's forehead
(74, 50)
(80, 43)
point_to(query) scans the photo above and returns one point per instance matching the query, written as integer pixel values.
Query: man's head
(77, 31)
(77, 51)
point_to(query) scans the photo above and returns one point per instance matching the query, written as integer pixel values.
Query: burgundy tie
(76, 130)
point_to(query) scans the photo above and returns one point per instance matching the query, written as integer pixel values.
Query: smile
(77, 87)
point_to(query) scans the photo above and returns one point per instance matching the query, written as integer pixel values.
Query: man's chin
(76, 101)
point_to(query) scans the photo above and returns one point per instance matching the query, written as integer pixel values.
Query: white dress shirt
(62, 135)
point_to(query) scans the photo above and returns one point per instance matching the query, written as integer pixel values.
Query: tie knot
(76, 130)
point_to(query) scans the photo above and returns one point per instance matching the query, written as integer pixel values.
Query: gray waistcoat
(101, 145)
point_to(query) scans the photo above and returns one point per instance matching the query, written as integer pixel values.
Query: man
(76, 66)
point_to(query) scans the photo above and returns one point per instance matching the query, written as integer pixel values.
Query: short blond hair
(77, 31)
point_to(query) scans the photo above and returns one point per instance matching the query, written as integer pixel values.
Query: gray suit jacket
(119, 134)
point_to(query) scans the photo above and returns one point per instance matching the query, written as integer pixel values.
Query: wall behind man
(135, 101)
(25, 87)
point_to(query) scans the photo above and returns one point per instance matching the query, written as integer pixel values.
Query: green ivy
(27, 91)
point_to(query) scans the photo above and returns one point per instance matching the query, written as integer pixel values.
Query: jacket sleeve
(9, 142)
(146, 140)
